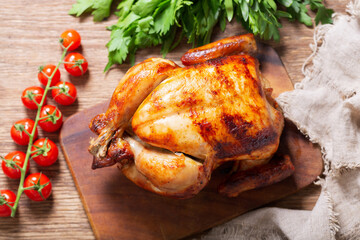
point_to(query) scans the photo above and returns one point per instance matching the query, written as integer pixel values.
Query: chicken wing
(237, 45)
(133, 88)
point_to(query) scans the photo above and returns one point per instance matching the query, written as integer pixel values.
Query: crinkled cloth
(325, 106)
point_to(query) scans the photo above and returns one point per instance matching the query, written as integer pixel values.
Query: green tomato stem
(42, 118)
(50, 88)
(37, 104)
(11, 207)
(27, 133)
(31, 136)
(29, 188)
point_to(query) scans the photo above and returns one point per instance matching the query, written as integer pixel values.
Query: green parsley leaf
(229, 8)
(145, 8)
(146, 23)
(323, 15)
(81, 7)
(286, 3)
(100, 8)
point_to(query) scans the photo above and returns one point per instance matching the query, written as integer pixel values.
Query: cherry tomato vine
(44, 152)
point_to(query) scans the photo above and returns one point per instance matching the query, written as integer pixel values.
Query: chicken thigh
(169, 127)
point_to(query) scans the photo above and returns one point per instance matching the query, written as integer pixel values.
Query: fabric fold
(325, 106)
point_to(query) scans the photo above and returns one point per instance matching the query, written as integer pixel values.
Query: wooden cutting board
(118, 209)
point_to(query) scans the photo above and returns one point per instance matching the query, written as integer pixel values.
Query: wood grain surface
(29, 32)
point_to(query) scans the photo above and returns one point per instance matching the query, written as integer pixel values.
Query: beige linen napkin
(325, 106)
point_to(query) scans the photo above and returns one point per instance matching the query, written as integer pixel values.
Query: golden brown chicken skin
(132, 89)
(213, 109)
(185, 122)
(237, 45)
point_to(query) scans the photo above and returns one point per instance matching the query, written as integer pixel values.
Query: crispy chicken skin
(163, 172)
(132, 89)
(213, 109)
(237, 45)
(258, 176)
(182, 123)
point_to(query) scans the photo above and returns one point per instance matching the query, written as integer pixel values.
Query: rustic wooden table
(29, 33)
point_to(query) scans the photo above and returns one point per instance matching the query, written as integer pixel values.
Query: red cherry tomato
(31, 95)
(14, 158)
(48, 70)
(19, 135)
(8, 197)
(47, 152)
(65, 94)
(39, 181)
(70, 36)
(52, 118)
(75, 64)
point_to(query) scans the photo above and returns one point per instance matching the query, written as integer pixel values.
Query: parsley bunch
(145, 23)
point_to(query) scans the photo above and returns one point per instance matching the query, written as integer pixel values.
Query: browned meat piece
(188, 121)
(243, 44)
(257, 177)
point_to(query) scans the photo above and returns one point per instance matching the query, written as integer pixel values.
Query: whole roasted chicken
(169, 127)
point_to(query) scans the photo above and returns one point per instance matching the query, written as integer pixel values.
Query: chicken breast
(217, 108)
